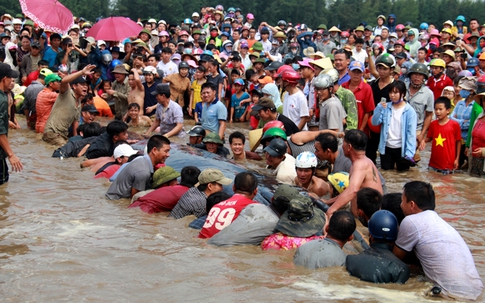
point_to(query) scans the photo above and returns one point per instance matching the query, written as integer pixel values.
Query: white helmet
(306, 160)
(332, 72)
(323, 81)
(150, 70)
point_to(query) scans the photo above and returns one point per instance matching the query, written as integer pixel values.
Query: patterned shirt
(193, 202)
(461, 114)
(350, 105)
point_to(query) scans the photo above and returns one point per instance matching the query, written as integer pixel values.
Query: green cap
(210, 175)
(285, 190)
(302, 219)
(322, 26)
(258, 46)
(146, 32)
(52, 78)
(164, 175)
(212, 137)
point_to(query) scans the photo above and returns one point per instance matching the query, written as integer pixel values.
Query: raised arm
(69, 78)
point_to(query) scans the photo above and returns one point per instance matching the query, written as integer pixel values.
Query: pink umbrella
(114, 29)
(48, 14)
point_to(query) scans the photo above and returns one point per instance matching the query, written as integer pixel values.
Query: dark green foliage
(343, 13)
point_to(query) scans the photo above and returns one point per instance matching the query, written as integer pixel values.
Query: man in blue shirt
(52, 51)
(214, 113)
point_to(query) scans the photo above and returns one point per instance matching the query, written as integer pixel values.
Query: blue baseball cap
(239, 81)
(356, 65)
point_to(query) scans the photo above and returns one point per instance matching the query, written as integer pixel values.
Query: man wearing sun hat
(193, 202)
(298, 225)
(119, 91)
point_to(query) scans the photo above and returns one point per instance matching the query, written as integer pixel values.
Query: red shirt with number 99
(222, 214)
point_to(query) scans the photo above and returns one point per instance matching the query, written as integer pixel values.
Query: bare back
(368, 170)
(363, 173)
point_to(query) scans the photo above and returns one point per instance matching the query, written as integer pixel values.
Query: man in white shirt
(442, 252)
(166, 65)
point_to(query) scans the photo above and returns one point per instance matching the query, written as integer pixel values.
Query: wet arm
(139, 85)
(222, 128)
(398, 252)
(154, 125)
(424, 130)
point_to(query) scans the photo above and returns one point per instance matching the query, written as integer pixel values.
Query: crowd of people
(326, 103)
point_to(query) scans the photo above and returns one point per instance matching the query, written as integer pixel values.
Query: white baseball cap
(123, 150)
(195, 14)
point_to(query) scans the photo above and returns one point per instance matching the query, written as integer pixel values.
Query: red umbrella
(114, 29)
(48, 14)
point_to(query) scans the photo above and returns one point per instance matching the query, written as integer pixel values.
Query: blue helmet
(424, 26)
(460, 18)
(114, 63)
(383, 225)
(188, 21)
(472, 62)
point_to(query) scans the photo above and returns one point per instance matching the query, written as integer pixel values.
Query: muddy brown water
(61, 240)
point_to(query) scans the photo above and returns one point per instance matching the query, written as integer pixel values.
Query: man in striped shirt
(193, 202)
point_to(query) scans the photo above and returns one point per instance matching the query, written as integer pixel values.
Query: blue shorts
(443, 171)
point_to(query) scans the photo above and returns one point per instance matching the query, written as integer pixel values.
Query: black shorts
(392, 158)
(3, 171)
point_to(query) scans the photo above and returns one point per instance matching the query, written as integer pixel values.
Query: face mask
(213, 34)
(325, 39)
(293, 51)
(343, 41)
(188, 51)
(464, 93)
(295, 66)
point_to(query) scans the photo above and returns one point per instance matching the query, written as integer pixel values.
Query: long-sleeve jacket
(408, 128)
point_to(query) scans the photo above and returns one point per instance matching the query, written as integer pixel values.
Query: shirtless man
(133, 117)
(137, 91)
(363, 172)
(306, 164)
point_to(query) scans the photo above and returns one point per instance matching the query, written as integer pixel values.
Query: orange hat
(266, 80)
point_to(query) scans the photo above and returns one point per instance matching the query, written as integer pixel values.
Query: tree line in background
(343, 13)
